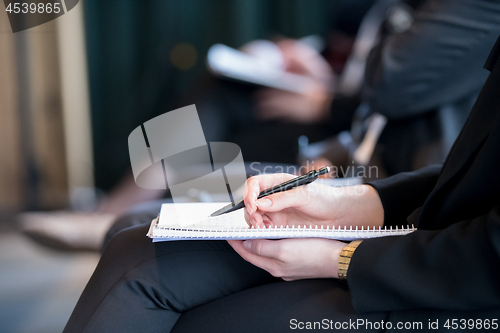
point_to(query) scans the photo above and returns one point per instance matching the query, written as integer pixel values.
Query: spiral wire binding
(276, 232)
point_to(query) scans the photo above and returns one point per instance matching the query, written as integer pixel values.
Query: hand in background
(310, 107)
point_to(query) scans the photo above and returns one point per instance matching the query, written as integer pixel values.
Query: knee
(127, 247)
(126, 221)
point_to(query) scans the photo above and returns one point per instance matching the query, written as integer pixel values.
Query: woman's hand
(311, 205)
(292, 259)
(310, 106)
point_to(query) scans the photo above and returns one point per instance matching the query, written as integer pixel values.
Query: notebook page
(197, 214)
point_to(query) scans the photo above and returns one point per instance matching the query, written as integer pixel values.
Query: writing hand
(311, 205)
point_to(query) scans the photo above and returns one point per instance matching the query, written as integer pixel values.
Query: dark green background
(129, 44)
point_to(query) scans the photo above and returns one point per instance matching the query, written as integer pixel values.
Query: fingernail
(264, 203)
(247, 244)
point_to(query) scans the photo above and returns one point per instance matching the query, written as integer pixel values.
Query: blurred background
(72, 90)
(351, 83)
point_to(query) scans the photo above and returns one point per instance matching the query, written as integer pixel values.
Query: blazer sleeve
(397, 198)
(436, 62)
(455, 268)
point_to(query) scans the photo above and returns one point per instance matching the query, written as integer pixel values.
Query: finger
(278, 105)
(254, 220)
(297, 197)
(248, 219)
(296, 52)
(263, 247)
(267, 222)
(257, 220)
(266, 93)
(259, 261)
(284, 106)
(250, 193)
(254, 185)
(301, 65)
(302, 59)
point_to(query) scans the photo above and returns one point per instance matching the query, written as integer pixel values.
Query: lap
(276, 307)
(197, 284)
(140, 285)
(171, 276)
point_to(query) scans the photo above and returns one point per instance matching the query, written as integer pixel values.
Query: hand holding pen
(316, 204)
(289, 184)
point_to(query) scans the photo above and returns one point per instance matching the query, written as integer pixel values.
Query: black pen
(286, 186)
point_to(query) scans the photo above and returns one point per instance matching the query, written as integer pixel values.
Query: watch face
(400, 18)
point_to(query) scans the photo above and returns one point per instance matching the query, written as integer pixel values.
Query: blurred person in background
(234, 112)
(423, 75)
(421, 78)
(266, 122)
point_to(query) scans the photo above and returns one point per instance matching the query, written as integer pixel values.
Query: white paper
(197, 215)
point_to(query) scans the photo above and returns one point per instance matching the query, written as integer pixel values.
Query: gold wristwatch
(345, 258)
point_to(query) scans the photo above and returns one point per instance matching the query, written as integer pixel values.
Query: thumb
(279, 201)
(262, 247)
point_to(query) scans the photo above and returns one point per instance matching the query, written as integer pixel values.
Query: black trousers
(193, 286)
(204, 286)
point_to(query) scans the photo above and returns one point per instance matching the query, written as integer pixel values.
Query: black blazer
(453, 260)
(425, 80)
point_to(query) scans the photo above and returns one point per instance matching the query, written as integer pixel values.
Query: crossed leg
(187, 285)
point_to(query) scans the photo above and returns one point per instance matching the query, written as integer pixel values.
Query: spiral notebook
(191, 221)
